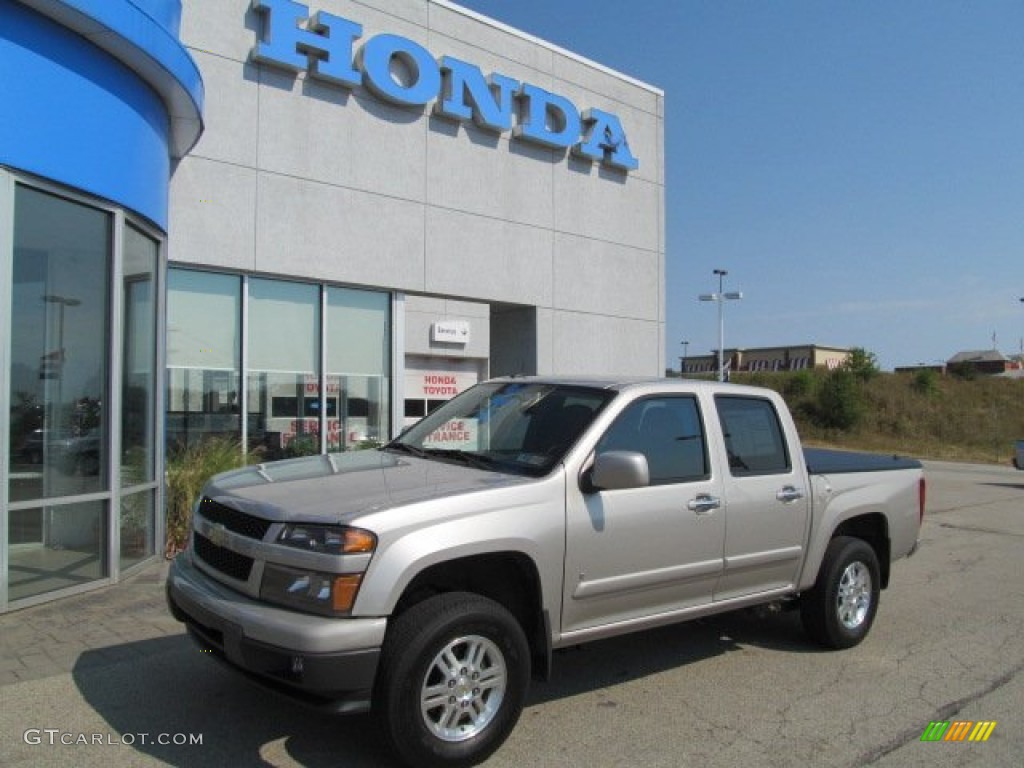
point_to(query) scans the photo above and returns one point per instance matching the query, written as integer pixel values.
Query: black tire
(475, 654)
(839, 610)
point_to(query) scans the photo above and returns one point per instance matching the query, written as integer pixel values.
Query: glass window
(753, 436)
(59, 362)
(518, 427)
(138, 417)
(54, 547)
(137, 528)
(668, 431)
(358, 368)
(283, 375)
(203, 352)
(60, 516)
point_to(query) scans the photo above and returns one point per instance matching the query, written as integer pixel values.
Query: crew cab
(431, 579)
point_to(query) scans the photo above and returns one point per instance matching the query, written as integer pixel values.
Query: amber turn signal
(343, 592)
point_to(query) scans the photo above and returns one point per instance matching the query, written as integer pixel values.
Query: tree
(840, 400)
(861, 363)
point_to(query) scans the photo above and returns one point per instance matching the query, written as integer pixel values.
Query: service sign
(450, 332)
(458, 434)
(401, 71)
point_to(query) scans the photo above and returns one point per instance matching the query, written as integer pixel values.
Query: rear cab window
(754, 440)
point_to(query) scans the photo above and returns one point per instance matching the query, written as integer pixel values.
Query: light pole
(686, 347)
(721, 297)
(62, 303)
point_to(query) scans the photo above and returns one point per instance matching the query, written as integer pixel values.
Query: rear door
(768, 506)
(634, 553)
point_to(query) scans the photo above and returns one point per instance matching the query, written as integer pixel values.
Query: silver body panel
(608, 562)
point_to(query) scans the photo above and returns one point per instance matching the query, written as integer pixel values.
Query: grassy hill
(920, 415)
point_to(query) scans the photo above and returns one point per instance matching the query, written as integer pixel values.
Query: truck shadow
(172, 692)
(598, 665)
(168, 691)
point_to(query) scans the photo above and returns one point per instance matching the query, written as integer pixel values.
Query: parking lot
(743, 689)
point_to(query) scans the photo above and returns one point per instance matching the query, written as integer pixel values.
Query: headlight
(315, 591)
(327, 593)
(327, 539)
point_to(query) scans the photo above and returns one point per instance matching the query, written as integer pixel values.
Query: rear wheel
(454, 674)
(839, 610)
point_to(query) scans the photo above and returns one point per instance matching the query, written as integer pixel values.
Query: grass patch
(188, 469)
(935, 417)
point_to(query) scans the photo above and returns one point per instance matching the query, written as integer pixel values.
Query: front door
(635, 553)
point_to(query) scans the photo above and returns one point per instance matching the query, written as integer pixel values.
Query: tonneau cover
(821, 461)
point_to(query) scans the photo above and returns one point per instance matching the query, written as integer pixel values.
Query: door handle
(789, 493)
(704, 504)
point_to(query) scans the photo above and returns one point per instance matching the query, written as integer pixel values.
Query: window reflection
(54, 547)
(60, 426)
(283, 378)
(137, 528)
(358, 368)
(203, 351)
(138, 402)
(59, 361)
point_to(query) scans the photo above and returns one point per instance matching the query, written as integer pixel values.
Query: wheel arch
(509, 578)
(873, 528)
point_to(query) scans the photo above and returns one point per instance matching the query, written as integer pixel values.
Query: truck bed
(823, 461)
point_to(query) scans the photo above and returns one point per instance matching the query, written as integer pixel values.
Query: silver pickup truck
(431, 579)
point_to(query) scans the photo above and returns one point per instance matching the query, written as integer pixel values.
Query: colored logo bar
(958, 730)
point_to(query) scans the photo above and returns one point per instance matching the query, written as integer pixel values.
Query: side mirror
(618, 470)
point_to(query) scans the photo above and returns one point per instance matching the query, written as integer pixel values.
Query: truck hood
(335, 488)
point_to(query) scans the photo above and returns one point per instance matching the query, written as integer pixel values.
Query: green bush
(963, 371)
(188, 469)
(302, 445)
(925, 382)
(800, 384)
(840, 402)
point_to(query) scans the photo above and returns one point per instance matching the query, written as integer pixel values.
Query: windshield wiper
(405, 448)
(466, 457)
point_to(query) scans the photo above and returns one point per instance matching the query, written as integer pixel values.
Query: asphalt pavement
(109, 679)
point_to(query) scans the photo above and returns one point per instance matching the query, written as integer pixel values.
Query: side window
(753, 436)
(668, 431)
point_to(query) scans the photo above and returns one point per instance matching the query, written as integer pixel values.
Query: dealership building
(298, 226)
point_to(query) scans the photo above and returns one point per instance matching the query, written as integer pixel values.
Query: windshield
(520, 427)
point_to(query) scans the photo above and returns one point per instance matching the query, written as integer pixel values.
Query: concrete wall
(421, 312)
(297, 177)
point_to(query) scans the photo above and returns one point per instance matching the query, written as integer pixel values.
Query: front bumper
(326, 662)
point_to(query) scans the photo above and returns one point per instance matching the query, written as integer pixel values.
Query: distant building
(793, 358)
(938, 367)
(989, 362)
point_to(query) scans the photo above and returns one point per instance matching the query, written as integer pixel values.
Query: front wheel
(453, 678)
(839, 610)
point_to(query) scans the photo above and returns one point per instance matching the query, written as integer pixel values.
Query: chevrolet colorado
(429, 580)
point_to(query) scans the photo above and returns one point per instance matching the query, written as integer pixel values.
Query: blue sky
(858, 167)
